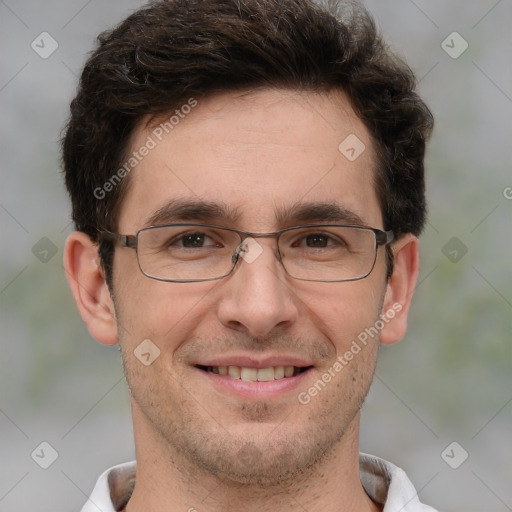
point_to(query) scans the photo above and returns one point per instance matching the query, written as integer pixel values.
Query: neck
(167, 482)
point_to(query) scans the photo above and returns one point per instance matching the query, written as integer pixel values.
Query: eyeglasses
(202, 252)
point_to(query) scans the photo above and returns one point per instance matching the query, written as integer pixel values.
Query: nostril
(237, 326)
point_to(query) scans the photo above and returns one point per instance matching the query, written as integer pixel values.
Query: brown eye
(317, 240)
(193, 240)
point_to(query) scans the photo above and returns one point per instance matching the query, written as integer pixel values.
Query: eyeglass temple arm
(124, 240)
(384, 237)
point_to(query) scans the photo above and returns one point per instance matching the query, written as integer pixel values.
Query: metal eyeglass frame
(131, 241)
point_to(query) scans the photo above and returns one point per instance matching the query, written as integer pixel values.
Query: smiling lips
(253, 377)
(249, 374)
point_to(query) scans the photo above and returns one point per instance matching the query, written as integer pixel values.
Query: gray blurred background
(449, 381)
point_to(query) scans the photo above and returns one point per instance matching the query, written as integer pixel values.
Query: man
(247, 186)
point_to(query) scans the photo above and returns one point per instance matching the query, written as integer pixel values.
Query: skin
(201, 446)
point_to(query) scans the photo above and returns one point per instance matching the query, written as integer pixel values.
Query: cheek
(156, 310)
(345, 311)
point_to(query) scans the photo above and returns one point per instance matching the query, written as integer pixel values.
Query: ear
(400, 289)
(87, 281)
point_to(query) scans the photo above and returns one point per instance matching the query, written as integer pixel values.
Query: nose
(257, 298)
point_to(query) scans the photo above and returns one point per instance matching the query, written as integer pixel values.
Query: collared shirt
(384, 482)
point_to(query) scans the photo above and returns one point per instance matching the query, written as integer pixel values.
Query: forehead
(255, 157)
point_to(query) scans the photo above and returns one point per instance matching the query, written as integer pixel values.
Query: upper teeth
(254, 374)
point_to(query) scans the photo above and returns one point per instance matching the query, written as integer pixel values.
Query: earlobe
(89, 288)
(400, 289)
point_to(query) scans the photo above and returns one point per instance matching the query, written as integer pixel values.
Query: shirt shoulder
(113, 489)
(388, 485)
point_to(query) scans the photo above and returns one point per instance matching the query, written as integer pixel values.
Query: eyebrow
(178, 210)
(318, 212)
(193, 210)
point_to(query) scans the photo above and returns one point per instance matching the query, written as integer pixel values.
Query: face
(267, 160)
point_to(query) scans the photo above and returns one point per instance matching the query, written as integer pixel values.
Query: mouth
(255, 376)
(249, 374)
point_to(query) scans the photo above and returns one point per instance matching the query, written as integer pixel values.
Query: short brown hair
(170, 51)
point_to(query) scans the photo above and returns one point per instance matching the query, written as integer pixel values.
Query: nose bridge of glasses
(249, 248)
